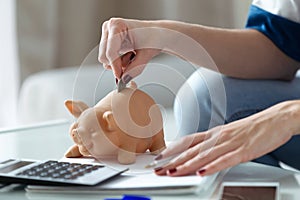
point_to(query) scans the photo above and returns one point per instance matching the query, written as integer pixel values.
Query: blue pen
(131, 197)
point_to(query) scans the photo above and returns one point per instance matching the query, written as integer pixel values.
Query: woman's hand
(222, 147)
(126, 46)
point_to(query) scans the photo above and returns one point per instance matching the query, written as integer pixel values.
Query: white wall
(9, 64)
(37, 23)
(240, 8)
(229, 13)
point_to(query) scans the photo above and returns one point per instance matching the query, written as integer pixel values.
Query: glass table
(40, 142)
(51, 140)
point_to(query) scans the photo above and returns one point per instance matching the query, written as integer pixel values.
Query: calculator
(52, 172)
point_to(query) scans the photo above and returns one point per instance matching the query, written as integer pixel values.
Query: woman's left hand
(224, 146)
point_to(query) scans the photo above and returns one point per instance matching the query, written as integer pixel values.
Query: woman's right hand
(123, 39)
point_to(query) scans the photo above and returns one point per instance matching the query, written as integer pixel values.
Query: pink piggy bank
(122, 124)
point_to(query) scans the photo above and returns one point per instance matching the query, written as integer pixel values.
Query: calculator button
(95, 167)
(50, 171)
(63, 171)
(55, 175)
(69, 176)
(75, 165)
(43, 174)
(50, 163)
(38, 169)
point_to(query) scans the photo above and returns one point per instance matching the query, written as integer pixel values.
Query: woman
(266, 53)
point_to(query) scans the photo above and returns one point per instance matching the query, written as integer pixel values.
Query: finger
(107, 66)
(182, 145)
(188, 154)
(136, 66)
(127, 58)
(162, 170)
(199, 144)
(201, 141)
(200, 160)
(184, 157)
(227, 160)
(103, 44)
(179, 160)
(112, 52)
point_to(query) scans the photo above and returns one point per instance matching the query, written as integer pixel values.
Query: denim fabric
(197, 110)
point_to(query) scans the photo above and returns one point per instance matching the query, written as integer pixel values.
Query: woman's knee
(200, 103)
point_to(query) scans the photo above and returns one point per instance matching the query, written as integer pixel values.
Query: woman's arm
(241, 53)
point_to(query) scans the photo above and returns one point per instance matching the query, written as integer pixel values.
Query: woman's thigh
(233, 100)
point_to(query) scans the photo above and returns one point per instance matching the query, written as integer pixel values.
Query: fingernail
(201, 172)
(127, 78)
(172, 171)
(158, 157)
(158, 169)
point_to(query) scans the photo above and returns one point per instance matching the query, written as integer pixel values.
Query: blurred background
(53, 34)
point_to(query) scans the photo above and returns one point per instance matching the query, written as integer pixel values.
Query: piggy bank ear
(110, 124)
(76, 107)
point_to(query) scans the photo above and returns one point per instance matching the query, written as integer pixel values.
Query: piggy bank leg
(158, 143)
(73, 152)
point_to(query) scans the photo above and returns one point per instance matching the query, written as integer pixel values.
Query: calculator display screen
(14, 166)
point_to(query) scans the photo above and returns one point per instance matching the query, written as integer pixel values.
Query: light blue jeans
(197, 109)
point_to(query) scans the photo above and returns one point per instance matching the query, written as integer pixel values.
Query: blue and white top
(279, 20)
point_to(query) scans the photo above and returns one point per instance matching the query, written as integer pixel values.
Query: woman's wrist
(159, 34)
(288, 115)
(148, 34)
(293, 108)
